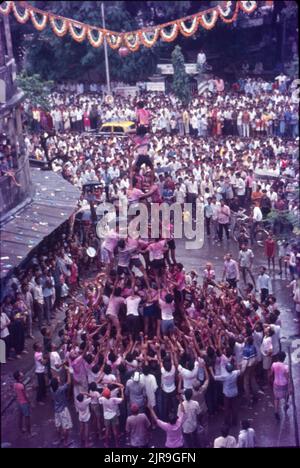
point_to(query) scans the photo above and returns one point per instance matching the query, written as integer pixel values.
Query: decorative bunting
(225, 13)
(248, 7)
(226, 10)
(149, 41)
(132, 41)
(208, 20)
(77, 31)
(61, 30)
(114, 40)
(22, 18)
(188, 31)
(39, 25)
(6, 7)
(95, 42)
(169, 36)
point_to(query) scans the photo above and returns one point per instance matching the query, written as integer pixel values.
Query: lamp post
(105, 52)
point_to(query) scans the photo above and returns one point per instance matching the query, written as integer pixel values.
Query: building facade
(15, 181)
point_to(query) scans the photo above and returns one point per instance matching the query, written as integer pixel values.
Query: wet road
(270, 433)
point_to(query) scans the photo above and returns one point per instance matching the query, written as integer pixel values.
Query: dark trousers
(48, 308)
(169, 403)
(40, 313)
(232, 282)
(190, 439)
(241, 200)
(230, 410)
(41, 388)
(207, 224)
(224, 227)
(263, 295)
(134, 326)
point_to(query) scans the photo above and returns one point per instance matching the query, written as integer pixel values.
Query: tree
(181, 86)
(36, 90)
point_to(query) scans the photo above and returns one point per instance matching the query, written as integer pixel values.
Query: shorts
(167, 326)
(122, 269)
(267, 362)
(106, 256)
(136, 262)
(158, 264)
(171, 244)
(63, 419)
(143, 159)
(95, 410)
(280, 391)
(149, 310)
(111, 422)
(24, 408)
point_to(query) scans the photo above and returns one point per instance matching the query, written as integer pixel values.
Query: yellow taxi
(118, 127)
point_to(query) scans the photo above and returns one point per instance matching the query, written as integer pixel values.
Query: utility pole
(105, 52)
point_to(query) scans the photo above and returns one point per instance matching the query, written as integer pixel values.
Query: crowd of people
(145, 343)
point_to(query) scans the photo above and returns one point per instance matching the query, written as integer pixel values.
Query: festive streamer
(145, 40)
(77, 36)
(113, 40)
(36, 23)
(226, 11)
(248, 7)
(208, 20)
(60, 31)
(6, 7)
(169, 36)
(188, 31)
(22, 18)
(224, 14)
(95, 42)
(132, 41)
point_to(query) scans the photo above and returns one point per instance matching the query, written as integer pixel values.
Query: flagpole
(105, 52)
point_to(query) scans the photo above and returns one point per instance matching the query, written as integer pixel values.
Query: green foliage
(180, 85)
(35, 89)
(64, 59)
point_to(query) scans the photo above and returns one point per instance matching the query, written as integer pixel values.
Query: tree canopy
(181, 85)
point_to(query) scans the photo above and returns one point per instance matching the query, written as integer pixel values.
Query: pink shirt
(157, 250)
(20, 393)
(224, 214)
(143, 117)
(281, 372)
(174, 432)
(111, 241)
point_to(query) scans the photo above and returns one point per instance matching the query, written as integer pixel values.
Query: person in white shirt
(264, 284)
(82, 403)
(110, 412)
(189, 374)
(240, 189)
(246, 257)
(246, 437)
(257, 217)
(5, 336)
(150, 383)
(190, 424)
(225, 440)
(133, 318)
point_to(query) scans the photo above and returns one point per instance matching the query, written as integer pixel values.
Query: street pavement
(270, 433)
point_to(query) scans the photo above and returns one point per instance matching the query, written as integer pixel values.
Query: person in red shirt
(23, 402)
(270, 246)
